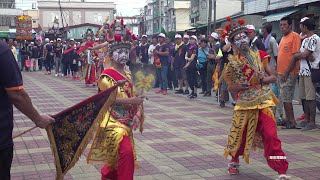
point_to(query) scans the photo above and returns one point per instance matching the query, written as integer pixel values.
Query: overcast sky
(123, 7)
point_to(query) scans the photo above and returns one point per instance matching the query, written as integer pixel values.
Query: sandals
(288, 125)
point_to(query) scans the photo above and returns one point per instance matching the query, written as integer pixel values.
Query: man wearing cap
(214, 44)
(143, 49)
(34, 51)
(248, 75)
(186, 39)
(178, 62)
(48, 55)
(67, 60)
(255, 42)
(309, 57)
(58, 57)
(162, 51)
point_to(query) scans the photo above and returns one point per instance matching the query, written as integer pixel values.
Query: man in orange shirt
(289, 45)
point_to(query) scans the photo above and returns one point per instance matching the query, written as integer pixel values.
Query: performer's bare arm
(22, 102)
(271, 78)
(100, 46)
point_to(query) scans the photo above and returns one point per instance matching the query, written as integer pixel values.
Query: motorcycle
(318, 95)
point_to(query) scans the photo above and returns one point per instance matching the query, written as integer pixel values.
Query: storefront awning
(3, 34)
(278, 16)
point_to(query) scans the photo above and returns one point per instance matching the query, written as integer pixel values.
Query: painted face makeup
(121, 55)
(241, 41)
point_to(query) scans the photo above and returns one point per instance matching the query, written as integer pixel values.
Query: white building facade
(74, 12)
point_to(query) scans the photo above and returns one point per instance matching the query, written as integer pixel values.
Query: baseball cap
(51, 41)
(178, 36)
(251, 28)
(310, 24)
(71, 39)
(32, 43)
(144, 36)
(214, 35)
(58, 39)
(186, 36)
(194, 37)
(47, 40)
(162, 35)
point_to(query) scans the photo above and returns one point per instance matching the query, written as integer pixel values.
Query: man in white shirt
(13, 49)
(309, 57)
(151, 48)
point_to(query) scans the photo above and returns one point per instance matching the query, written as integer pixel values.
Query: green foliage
(171, 35)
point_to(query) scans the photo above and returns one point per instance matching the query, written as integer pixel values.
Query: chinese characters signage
(24, 28)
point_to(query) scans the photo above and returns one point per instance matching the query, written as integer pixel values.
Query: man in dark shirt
(58, 56)
(34, 56)
(143, 50)
(178, 62)
(162, 51)
(255, 42)
(13, 93)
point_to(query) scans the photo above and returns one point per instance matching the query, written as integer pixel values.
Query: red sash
(116, 76)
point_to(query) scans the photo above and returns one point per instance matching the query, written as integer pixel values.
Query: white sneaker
(283, 177)
(56, 75)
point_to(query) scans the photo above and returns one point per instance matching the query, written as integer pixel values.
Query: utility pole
(209, 17)
(214, 14)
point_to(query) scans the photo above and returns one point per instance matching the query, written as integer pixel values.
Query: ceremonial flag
(73, 128)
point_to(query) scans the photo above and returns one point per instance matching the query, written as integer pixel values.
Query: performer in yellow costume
(248, 75)
(113, 143)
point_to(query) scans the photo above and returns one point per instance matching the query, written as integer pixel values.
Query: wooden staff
(24, 132)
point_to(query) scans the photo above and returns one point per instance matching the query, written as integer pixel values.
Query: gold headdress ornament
(234, 28)
(119, 36)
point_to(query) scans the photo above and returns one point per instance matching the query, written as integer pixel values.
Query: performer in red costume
(248, 75)
(86, 54)
(113, 143)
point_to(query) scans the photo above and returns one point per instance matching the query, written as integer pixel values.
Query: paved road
(183, 139)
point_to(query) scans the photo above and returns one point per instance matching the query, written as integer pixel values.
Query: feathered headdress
(119, 36)
(234, 28)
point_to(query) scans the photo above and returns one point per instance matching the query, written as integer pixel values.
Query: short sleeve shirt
(289, 45)
(313, 45)
(163, 59)
(193, 50)
(179, 57)
(11, 79)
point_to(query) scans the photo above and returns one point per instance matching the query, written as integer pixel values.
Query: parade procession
(159, 90)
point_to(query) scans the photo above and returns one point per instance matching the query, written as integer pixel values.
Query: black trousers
(6, 156)
(192, 77)
(49, 62)
(172, 79)
(66, 67)
(203, 75)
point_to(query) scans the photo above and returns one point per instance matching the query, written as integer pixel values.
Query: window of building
(34, 21)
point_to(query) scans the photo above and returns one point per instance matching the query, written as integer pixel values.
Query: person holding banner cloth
(12, 93)
(248, 75)
(113, 143)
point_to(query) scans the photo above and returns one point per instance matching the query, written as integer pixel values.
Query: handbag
(28, 63)
(315, 73)
(157, 62)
